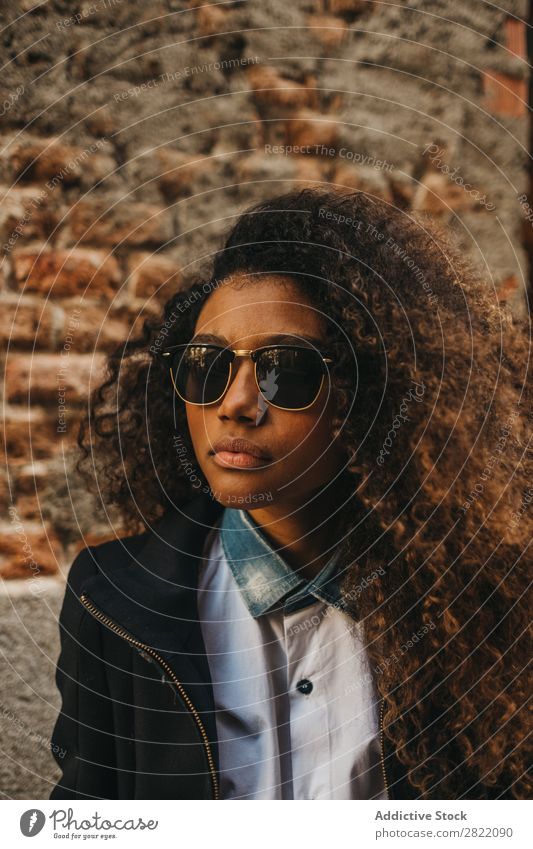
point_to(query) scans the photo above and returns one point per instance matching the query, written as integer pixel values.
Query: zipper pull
(145, 656)
(150, 659)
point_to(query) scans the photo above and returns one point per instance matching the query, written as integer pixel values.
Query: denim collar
(263, 576)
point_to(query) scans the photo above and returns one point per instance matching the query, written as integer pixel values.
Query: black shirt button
(304, 686)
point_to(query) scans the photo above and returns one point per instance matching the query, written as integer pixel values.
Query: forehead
(251, 306)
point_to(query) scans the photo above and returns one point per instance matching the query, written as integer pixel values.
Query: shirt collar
(263, 576)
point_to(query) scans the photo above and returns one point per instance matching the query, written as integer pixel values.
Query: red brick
(179, 171)
(27, 213)
(515, 37)
(67, 272)
(153, 274)
(439, 195)
(39, 378)
(311, 128)
(29, 507)
(25, 324)
(348, 7)
(508, 288)
(271, 89)
(57, 164)
(327, 29)
(211, 19)
(102, 123)
(29, 478)
(505, 95)
(104, 329)
(31, 435)
(41, 159)
(28, 550)
(106, 223)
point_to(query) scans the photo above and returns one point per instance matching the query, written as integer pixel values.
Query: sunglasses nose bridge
(240, 353)
(244, 352)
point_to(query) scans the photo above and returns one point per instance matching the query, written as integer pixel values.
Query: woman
(323, 449)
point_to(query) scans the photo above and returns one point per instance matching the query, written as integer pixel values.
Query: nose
(241, 400)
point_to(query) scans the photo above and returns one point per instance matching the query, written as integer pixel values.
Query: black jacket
(137, 718)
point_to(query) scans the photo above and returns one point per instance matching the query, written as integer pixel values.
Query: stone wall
(134, 132)
(29, 700)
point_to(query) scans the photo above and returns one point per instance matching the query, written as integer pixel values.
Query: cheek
(307, 436)
(315, 440)
(196, 424)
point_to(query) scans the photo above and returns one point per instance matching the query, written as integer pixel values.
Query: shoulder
(96, 560)
(179, 529)
(105, 557)
(88, 563)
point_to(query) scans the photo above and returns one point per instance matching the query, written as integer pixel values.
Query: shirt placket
(308, 713)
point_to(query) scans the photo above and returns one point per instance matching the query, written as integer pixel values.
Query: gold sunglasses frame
(246, 352)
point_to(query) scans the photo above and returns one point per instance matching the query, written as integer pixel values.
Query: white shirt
(277, 740)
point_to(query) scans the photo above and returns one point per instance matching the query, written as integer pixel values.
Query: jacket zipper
(149, 650)
(381, 747)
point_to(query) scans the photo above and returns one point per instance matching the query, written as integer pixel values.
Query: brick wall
(132, 134)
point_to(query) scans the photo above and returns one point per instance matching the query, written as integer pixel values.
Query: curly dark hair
(433, 401)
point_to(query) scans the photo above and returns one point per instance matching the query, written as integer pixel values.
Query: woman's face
(245, 313)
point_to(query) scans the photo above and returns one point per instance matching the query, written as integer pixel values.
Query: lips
(239, 446)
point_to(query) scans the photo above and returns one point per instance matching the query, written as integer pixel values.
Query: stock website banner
(166, 823)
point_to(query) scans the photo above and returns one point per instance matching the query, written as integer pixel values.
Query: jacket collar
(264, 578)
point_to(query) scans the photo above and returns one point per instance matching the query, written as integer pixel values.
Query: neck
(304, 536)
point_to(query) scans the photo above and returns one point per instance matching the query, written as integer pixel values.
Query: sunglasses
(289, 377)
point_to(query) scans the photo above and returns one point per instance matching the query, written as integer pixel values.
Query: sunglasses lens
(290, 378)
(200, 373)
